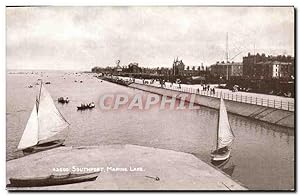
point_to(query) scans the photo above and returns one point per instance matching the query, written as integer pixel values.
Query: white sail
(50, 119)
(30, 134)
(225, 135)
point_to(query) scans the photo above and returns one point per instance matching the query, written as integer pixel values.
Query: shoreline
(269, 115)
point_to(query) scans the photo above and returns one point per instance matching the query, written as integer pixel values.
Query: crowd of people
(208, 88)
(205, 87)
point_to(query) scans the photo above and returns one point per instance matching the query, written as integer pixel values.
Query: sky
(79, 38)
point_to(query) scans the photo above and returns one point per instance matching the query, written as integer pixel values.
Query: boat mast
(39, 96)
(218, 123)
(227, 56)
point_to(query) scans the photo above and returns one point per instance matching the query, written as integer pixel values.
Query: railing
(278, 104)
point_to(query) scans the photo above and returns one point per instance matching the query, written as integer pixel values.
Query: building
(134, 68)
(118, 69)
(268, 67)
(285, 69)
(221, 69)
(178, 67)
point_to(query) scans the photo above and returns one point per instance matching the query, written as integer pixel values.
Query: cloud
(82, 37)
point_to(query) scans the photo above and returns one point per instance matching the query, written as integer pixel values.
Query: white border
(149, 2)
(108, 3)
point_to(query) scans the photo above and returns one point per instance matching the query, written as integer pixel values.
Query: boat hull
(52, 180)
(221, 163)
(85, 107)
(220, 157)
(63, 101)
(43, 147)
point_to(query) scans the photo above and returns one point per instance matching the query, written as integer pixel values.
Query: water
(262, 155)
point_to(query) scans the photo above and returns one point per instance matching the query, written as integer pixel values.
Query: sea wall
(262, 113)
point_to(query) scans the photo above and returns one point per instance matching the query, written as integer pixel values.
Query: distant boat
(52, 180)
(86, 106)
(44, 122)
(63, 100)
(225, 136)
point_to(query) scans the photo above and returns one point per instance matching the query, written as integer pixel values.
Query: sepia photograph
(150, 98)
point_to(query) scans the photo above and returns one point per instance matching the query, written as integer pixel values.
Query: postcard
(150, 98)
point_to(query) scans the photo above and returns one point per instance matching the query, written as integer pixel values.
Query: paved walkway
(271, 101)
(175, 170)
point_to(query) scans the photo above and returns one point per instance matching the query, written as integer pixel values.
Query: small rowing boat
(63, 100)
(52, 180)
(86, 106)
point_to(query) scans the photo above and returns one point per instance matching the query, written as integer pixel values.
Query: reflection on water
(226, 166)
(228, 170)
(262, 154)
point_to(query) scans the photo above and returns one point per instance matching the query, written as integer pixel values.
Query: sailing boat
(225, 136)
(44, 122)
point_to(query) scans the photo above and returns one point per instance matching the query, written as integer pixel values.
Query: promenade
(271, 101)
(266, 113)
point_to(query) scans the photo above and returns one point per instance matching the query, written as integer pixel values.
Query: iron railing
(272, 103)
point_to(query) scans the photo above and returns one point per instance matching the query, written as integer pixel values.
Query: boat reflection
(224, 166)
(229, 170)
